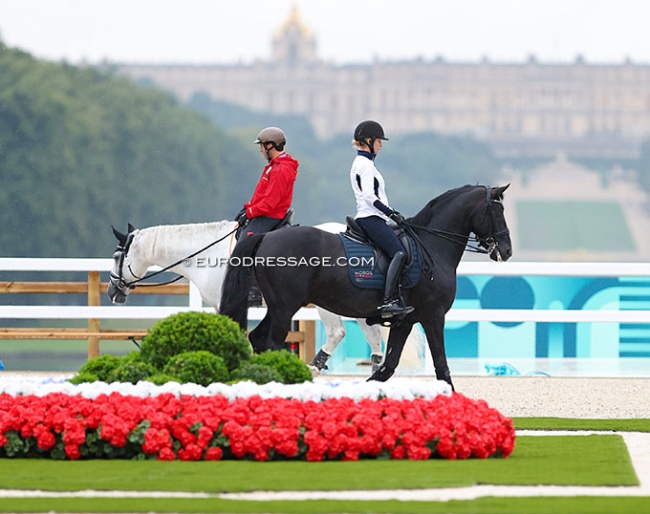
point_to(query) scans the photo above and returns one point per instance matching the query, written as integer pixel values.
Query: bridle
(482, 244)
(121, 252)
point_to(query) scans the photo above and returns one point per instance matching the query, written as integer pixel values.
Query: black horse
(310, 273)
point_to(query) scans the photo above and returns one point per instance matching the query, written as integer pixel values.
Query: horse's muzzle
(115, 294)
(500, 253)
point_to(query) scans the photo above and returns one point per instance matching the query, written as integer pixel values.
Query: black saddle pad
(367, 267)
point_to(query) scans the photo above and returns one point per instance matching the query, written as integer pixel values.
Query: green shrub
(83, 378)
(161, 379)
(100, 367)
(200, 367)
(132, 370)
(288, 365)
(258, 373)
(194, 331)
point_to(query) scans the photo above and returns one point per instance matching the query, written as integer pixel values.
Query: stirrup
(393, 308)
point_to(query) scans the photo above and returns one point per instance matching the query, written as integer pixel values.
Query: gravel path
(561, 397)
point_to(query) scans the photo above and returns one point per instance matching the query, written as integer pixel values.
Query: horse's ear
(497, 192)
(131, 228)
(120, 237)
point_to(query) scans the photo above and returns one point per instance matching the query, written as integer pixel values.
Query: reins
(166, 268)
(453, 237)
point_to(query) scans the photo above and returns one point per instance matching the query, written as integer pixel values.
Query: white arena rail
(576, 269)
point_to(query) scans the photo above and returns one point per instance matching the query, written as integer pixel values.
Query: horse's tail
(237, 282)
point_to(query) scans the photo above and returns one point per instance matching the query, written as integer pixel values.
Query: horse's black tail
(237, 282)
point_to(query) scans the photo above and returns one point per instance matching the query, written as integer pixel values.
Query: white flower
(397, 388)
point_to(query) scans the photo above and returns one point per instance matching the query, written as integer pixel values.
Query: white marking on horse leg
(334, 329)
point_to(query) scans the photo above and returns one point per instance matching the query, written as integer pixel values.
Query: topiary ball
(200, 367)
(100, 367)
(258, 373)
(162, 379)
(132, 370)
(287, 364)
(194, 331)
(82, 378)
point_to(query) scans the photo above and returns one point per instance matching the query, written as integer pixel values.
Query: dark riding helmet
(272, 135)
(369, 129)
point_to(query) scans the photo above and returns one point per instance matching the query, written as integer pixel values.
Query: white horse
(179, 246)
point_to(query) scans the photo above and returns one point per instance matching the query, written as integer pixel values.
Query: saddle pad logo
(361, 274)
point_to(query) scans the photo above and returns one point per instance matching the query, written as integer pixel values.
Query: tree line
(82, 149)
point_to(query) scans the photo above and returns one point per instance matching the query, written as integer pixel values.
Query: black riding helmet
(369, 129)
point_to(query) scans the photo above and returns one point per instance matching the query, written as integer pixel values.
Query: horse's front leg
(396, 340)
(435, 332)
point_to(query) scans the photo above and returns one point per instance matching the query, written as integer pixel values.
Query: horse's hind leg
(396, 339)
(258, 337)
(280, 324)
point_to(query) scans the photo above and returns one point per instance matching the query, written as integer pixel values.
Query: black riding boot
(392, 306)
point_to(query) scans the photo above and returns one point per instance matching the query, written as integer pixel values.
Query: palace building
(525, 109)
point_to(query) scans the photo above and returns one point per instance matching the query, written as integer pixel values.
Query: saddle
(284, 222)
(288, 218)
(367, 264)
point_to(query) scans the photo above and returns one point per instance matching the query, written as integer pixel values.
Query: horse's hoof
(376, 361)
(315, 372)
(382, 374)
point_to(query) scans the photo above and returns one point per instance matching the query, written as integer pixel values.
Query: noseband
(490, 242)
(117, 279)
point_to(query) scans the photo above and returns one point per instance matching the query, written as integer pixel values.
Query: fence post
(308, 327)
(93, 323)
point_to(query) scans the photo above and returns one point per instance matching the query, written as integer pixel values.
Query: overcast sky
(223, 31)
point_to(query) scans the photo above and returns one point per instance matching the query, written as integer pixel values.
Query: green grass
(616, 425)
(488, 505)
(559, 460)
(565, 460)
(562, 225)
(595, 460)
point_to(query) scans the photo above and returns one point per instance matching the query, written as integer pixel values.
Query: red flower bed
(169, 427)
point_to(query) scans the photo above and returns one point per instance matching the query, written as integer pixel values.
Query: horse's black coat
(445, 225)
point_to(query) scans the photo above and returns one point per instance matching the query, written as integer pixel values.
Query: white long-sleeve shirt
(368, 186)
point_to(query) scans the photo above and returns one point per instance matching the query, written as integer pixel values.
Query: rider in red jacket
(272, 197)
(274, 191)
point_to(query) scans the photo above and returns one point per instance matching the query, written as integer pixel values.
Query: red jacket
(274, 191)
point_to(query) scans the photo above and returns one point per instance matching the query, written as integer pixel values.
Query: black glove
(397, 218)
(240, 214)
(241, 217)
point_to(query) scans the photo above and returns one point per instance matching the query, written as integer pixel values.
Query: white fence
(465, 268)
